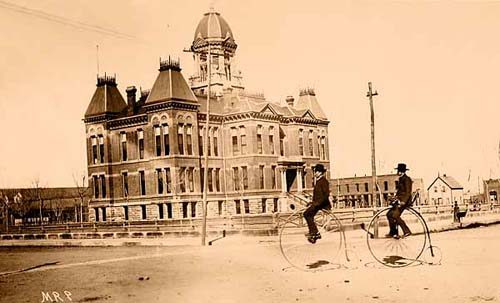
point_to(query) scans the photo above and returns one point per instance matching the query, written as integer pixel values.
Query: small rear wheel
(306, 255)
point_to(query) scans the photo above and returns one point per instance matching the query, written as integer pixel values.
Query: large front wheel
(307, 256)
(394, 251)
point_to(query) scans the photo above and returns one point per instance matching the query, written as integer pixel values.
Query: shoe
(311, 240)
(406, 234)
(389, 236)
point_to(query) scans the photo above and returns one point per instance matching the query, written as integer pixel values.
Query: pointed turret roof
(307, 100)
(107, 98)
(170, 85)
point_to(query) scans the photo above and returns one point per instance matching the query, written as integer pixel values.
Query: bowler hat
(319, 167)
(401, 167)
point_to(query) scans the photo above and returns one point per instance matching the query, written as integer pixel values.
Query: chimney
(131, 90)
(289, 100)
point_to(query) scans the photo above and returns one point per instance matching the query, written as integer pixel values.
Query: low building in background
(445, 190)
(29, 206)
(491, 190)
(356, 191)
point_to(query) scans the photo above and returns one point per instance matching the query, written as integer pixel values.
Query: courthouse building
(145, 152)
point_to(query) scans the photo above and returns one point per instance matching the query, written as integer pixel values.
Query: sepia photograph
(249, 151)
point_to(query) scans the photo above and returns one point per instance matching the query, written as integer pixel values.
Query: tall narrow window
(103, 210)
(357, 187)
(200, 140)
(168, 179)
(166, 140)
(301, 142)
(185, 209)
(94, 149)
(182, 179)
(123, 136)
(142, 182)
(237, 206)
(243, 140)
(259, 139)
(103, 185)
(169, 211)
(160, 211)
(190, 178)
(180, 138)
(244, 172)
(271, 140)
(273, 177)
(140, 143)
(125, 212)
(209, 147)
(96, 186)
(219, 207)
(263, 210)
(366, 187)
(125, 184)
(246, 204)
(202, 178)
(159, 180)
(310, 143)
(261, 176)
(217, 179)
(210, 180)
(323, 147)
(189, 139)
(143, 212)
(216, 147)
(101, 148)
(386, 185)
(236, 178)
(282, 143)
(157, 131)
(96, 212)
(234, 140)
(275, 205)
(193, 209)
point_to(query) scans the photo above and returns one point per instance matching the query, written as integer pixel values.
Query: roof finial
(212, 6)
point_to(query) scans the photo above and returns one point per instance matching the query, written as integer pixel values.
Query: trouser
(309, 214)
(394, 218)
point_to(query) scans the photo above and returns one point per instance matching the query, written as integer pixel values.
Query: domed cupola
(213, 26)
(214, 35)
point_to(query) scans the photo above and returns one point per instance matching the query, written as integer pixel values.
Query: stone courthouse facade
(145, 152)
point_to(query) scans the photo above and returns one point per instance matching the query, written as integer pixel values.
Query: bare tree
(34, 194)
(82, 190)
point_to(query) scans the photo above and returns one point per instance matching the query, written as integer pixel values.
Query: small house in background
(445, 190)
(491, 190)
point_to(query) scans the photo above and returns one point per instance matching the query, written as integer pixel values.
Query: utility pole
(370, 95)
(205, 147)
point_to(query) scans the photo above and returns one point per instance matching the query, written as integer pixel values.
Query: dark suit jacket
(403, 192)
(321, 193)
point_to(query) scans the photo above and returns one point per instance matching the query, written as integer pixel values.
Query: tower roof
(212, 26)
(106, 99)
(307, 100)
(170, 84)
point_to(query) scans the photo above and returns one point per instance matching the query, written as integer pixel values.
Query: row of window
(386, 186)
(308, 136)
(239, 141)
(189, 209)
(185, 181)
(161, 142)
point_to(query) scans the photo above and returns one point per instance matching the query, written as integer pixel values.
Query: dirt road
(250, 270)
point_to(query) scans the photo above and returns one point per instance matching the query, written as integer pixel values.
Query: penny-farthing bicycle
(401, 251)
(391, 252)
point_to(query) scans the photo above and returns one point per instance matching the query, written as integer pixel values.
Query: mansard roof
(307, 100)
(106, 99)
(170, 85)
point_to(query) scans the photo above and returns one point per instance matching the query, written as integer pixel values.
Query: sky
(434, 64)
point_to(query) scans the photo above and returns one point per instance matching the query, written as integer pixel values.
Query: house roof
(449, 181)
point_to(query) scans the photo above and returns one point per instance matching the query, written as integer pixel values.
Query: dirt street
(250, 270)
